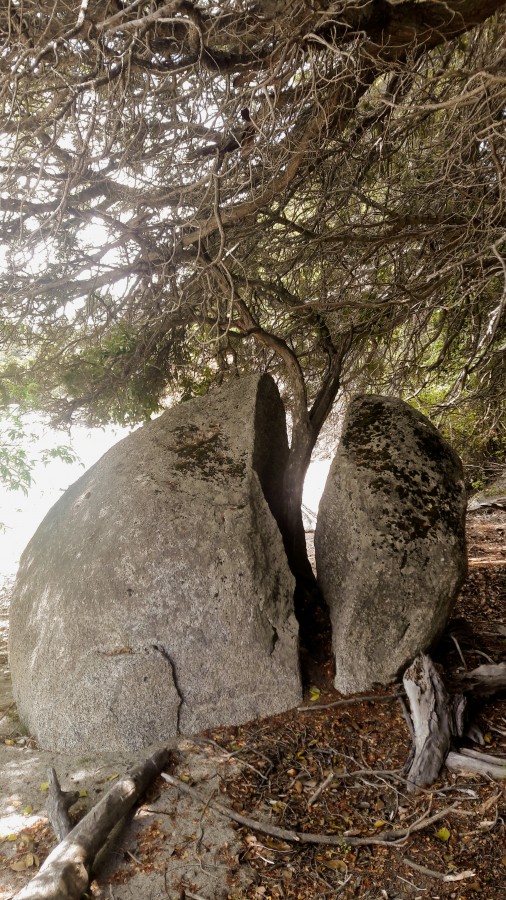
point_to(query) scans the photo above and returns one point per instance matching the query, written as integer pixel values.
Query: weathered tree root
(485, 681)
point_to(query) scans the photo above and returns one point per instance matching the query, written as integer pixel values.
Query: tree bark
(65, 873)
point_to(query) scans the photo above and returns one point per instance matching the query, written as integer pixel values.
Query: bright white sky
(22, 514)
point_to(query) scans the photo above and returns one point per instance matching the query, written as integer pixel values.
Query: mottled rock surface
(390, 540)
(155, 597)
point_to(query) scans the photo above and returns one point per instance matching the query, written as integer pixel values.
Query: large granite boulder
(155, 598)
(390, 540)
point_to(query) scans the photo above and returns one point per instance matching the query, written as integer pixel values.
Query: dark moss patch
(425, 498)
(204, 454)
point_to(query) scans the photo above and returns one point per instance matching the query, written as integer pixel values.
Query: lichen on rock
(390, 541)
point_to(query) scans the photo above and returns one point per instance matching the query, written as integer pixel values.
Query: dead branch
(441, 876)
(314, 797)
(349, 701)
(488, 766)
(388, 838)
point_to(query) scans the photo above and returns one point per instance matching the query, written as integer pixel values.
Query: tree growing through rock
(190, 190)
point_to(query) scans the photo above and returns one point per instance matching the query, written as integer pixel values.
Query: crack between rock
(167, 657)
(274, 639)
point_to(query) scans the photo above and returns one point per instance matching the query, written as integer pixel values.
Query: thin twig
(378, 698)
(319, 790)
(459, 651)
(229, 755)
(441, 876)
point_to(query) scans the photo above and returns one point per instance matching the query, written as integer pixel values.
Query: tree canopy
(191, 190)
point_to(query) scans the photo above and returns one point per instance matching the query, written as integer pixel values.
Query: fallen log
(436, 717)
(485, 681)
(472, 763)
(65, 873)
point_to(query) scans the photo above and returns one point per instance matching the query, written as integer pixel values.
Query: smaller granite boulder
(390, 540)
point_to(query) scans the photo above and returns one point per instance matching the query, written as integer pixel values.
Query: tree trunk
(310, 608)
(439, 722)
(293, 485)
(306, 427)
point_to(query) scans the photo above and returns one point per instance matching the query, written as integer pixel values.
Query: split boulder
(390, 540)
(155, 597)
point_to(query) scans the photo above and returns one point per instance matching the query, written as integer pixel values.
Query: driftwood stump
(438, 721)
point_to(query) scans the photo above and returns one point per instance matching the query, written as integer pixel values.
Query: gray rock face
(155, 598)
(390, 540)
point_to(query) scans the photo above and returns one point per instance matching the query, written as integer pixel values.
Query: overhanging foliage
(190, 190)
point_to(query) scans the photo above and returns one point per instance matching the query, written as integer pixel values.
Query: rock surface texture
(390, 540)
(155, 597)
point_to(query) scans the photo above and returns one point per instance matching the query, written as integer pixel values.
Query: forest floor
(332, 767)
